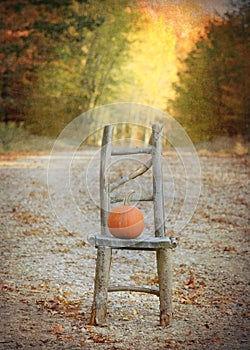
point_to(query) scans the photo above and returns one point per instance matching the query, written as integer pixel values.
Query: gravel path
(47, 273)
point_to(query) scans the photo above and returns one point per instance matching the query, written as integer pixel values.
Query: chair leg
(99, 307)
(164, 267)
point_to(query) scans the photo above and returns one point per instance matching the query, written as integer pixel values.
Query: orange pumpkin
(126, 221)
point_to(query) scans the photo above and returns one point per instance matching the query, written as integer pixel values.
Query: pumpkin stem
(127, 197)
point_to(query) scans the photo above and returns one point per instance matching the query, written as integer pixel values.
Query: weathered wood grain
(119, 151)
(134, 289)
(138, 172)
(159, 218)
(103, 262)
(149, 243)
(163, 255)
(104, 243)
(135, 198)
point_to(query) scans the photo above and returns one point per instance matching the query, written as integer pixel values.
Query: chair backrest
(105, 187)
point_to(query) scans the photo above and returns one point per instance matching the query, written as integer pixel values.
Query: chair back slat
(104, 177)
(105, 187)
(158, 198)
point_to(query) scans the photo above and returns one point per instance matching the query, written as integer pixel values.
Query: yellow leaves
(165, 34)
(152, 61)
(84, 49)
(128, 9)
(73, 32)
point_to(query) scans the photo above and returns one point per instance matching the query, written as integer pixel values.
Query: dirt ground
(47, 273)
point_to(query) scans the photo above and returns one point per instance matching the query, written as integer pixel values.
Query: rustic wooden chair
(159, 242)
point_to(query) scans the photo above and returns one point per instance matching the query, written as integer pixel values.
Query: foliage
(87, 68)
(10, 133)
(63, 57)
(29, 35)
(166, 34)
(106, 50)
(15, 138)
(212, 93)
(152, 63)
(59, 59)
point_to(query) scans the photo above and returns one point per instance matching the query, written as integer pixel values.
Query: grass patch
(15, 138)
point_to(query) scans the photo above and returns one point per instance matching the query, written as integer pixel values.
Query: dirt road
(47, 273)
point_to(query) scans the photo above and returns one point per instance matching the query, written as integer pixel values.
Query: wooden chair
(159, 242)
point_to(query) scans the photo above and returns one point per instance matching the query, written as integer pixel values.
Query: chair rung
(152, 243)
(133, 199)
(154, 291)
(119, 151)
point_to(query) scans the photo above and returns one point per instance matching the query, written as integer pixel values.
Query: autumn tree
(212, 93)
(32, 34)
(87, 70)
(168, 31)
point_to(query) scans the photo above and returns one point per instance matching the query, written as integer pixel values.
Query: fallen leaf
(57, 329)
(229, 249)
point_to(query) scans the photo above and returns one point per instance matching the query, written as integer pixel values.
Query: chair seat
(149, 243)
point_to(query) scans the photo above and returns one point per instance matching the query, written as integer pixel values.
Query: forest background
(61, 58)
